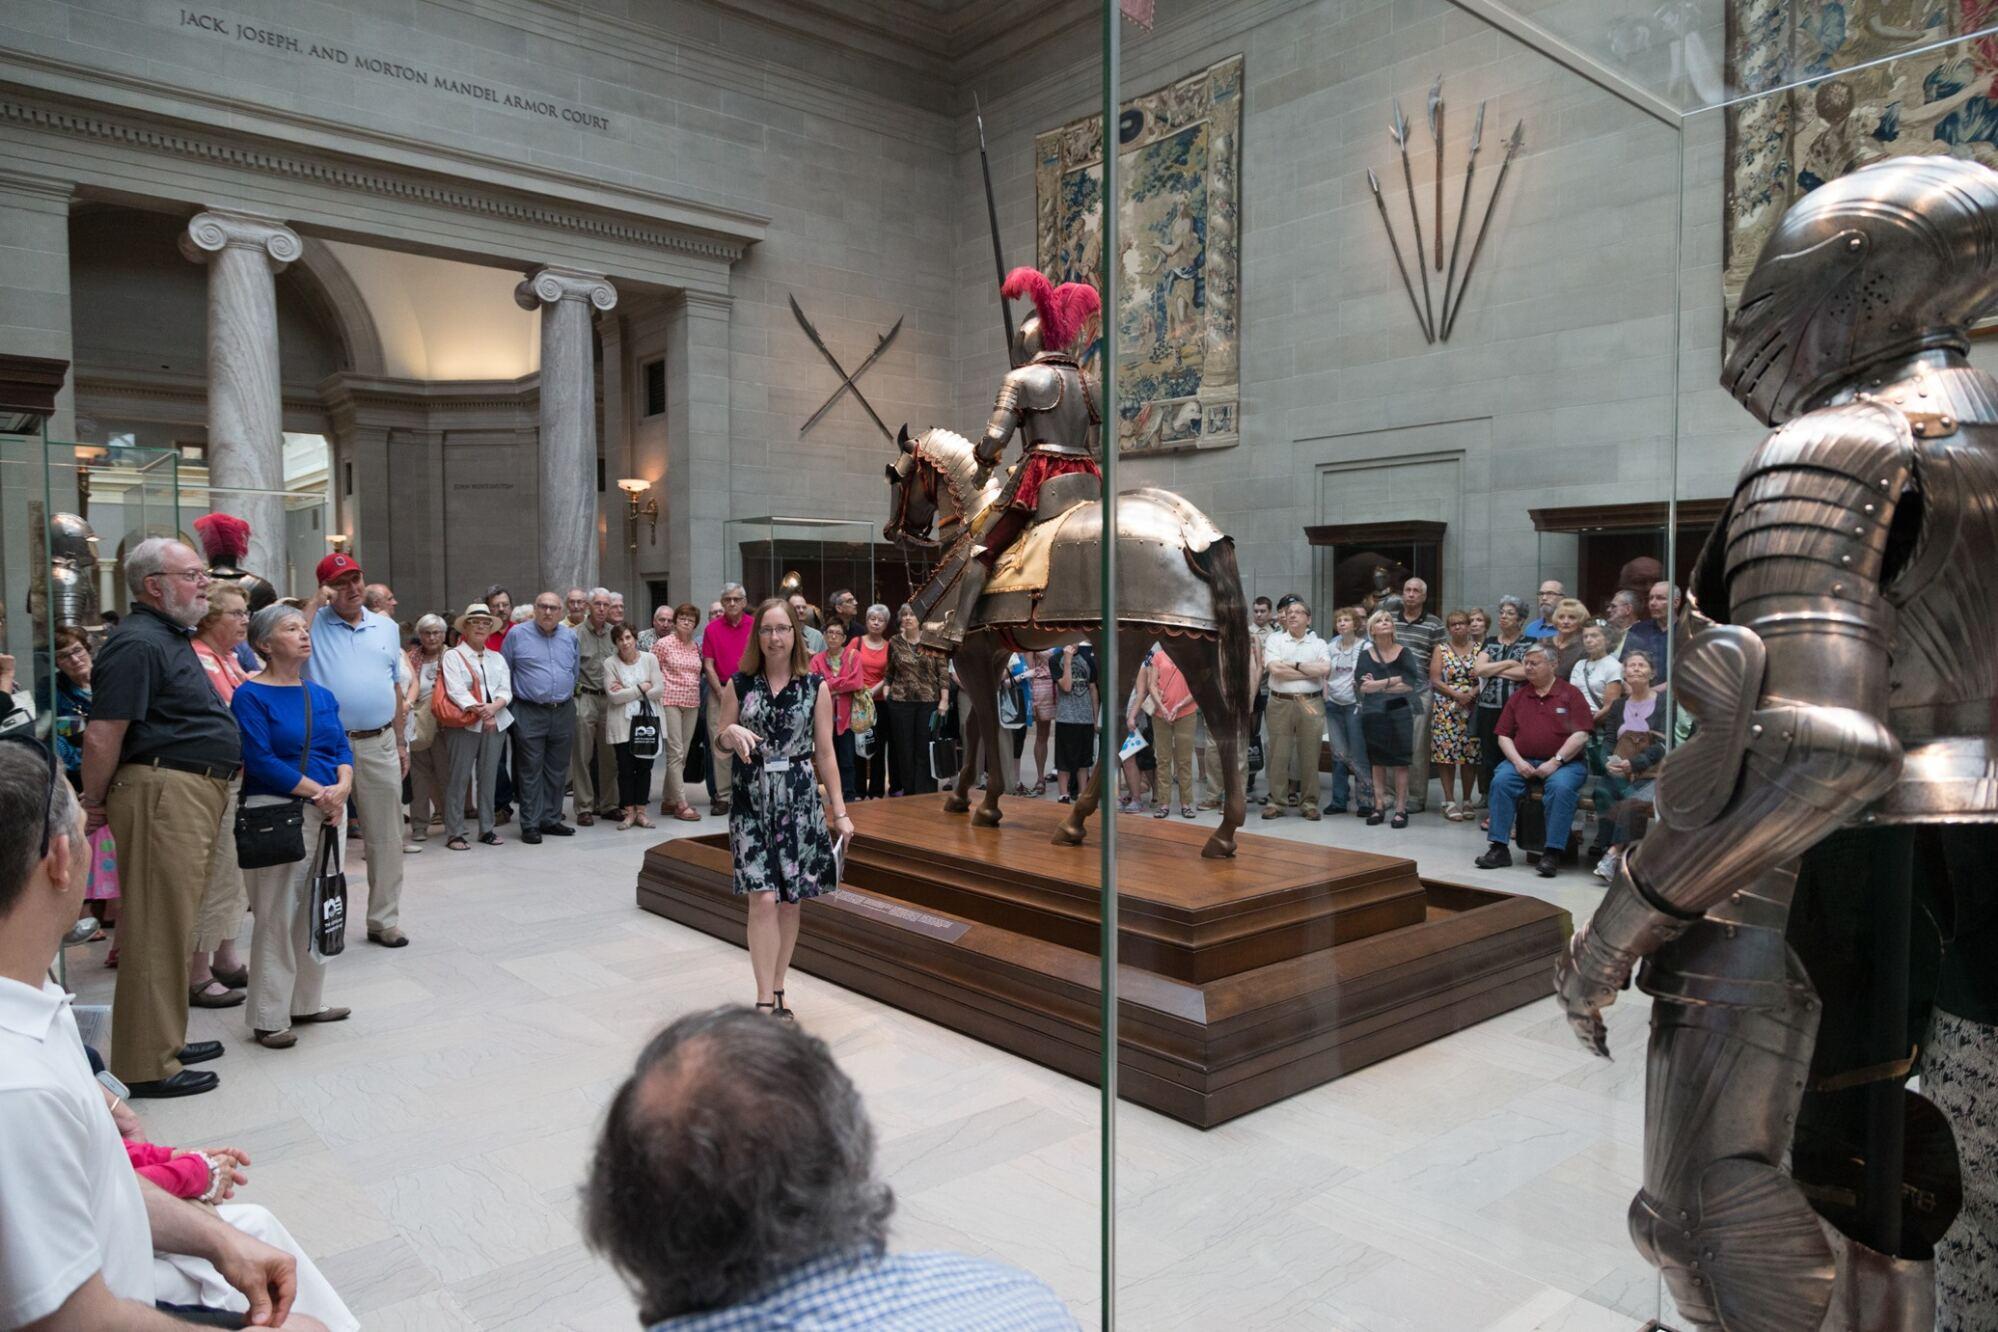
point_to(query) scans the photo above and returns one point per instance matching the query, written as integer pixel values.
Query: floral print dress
(1451, 739)
(777, 827)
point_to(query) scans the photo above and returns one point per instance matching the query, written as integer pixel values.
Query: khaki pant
(1174, 741)
(1297, 728)
(378, 795)
(595, 793)
(676, 733)
(223, 899)
(164, 823)
(285, 978)
(722, 763)
(428, 768)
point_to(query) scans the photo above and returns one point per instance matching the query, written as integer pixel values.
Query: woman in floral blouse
(777, 719)
(918, 690)
(680, 706)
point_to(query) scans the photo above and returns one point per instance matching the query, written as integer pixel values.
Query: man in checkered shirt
(734, 1189)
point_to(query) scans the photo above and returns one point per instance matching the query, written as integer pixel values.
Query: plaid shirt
(901, 1292)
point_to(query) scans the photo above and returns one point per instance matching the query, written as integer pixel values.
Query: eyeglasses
(195, 576)
(55, 775)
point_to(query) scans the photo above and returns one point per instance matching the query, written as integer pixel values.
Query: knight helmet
(1060, 313)
(225, 539)
(1887, 261)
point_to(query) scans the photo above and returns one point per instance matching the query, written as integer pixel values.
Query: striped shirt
(902, 1292)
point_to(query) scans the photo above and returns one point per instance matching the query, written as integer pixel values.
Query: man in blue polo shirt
(357, 654)
(1542, 625)
(542, 657)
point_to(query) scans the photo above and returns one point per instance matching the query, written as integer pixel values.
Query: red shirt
(493, 640)
(1540, 725)
(722, 644)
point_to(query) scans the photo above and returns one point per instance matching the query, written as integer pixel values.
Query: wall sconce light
(633, 487)
(339, 541)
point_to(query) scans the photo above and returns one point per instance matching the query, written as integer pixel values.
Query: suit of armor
(1849, 690)
(1047, 401)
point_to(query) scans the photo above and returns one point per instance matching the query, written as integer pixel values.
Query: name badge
(1560, 712)
(777, 765)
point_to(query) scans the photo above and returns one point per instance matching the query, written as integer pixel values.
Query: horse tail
(1217, 567)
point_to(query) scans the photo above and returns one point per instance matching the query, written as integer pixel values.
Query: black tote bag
(328, 900)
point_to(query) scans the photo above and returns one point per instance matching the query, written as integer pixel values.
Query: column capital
(56, 191)
(216, 230)
(546, 286)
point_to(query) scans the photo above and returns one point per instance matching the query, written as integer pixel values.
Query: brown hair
(221, 588)
(67, 634)
(690, 611)
(1463, 615)
(1359, 615)
(621, 631)
(752, 652)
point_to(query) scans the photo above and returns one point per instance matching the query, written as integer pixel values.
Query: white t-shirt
(1592, 677)
(1281, 647)
(69, 1200)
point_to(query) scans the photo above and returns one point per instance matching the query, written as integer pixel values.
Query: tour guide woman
(777, 717)
(271, 710)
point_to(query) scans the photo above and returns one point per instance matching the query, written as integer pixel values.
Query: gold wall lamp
(633, 487)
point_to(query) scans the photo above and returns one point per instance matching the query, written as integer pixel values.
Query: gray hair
(266, 621)
(25, 794)
(1540, 649)
(143, 561)
(877, 606)
(1517, 603)
(429, 622)
(735, 1152)
(1422, 583)
(521, 614)
(734, 587)
(1627, 597)
(603, 592)
(617, 598)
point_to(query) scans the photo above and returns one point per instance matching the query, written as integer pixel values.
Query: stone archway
(330, 293)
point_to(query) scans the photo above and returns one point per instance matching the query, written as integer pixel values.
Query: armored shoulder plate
(1036, 386)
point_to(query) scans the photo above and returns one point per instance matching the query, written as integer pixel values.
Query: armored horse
(1177, 585)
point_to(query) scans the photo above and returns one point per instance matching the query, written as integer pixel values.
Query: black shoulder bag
(274, 834)
(328, 900)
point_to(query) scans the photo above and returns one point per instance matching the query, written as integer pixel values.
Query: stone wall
(1557, 385)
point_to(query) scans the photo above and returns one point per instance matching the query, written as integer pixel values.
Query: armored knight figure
(1047, 400)
(225, 539)
(66, 596)
(1815, 908)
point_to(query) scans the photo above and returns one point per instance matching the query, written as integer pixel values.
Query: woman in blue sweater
(274, 710)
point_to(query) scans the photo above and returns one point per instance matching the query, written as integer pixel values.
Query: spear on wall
(1374, 184)
(1436, 136)
(1512, 147)
(1399, 129)
(1463, 209)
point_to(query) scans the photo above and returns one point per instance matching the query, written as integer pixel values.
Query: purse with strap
(448, 713)
(274, 834)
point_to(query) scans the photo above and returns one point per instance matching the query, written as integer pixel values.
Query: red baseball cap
(335, 565)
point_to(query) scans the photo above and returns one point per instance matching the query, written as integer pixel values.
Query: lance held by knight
(1048, 401)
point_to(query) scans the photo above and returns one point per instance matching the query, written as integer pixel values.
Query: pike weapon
(1399, 129)
(852, 381)
(992, 216)
(846, 380)
(1463, 210)
(1512, 147)
(1374, 184)
(1436, 134)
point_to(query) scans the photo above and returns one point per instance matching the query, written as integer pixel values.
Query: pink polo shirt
(722, 644)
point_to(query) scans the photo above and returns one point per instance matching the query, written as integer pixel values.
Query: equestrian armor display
(1847, 691)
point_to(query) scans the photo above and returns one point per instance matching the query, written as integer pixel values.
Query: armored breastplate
(1943, 680)
(1055, 409)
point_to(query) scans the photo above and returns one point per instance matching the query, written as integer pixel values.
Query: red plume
(1074, 303)
(224, 536)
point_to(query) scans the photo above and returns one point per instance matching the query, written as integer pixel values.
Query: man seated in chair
(1048, 401)
(1541, 733)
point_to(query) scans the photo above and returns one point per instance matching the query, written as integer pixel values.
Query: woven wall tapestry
(1179, 275)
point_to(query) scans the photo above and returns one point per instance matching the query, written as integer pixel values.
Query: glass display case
(777, 556)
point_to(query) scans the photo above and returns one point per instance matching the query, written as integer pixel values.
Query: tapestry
(1179, 156)
(1782, 146)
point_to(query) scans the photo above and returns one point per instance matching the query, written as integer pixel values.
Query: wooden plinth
(1240, 981)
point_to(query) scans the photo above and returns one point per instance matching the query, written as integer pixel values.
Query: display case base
(1240, 982)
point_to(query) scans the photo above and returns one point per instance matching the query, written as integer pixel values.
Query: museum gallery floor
(428, 1151)
(1241, 981)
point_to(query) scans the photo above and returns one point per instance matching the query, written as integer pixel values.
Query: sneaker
(1604, 869)
(1495, 857)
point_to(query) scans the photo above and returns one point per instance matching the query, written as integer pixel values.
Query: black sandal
(771, 1007)
(782, 1010)
(457, 844)
(1399, 821)
(492, 839)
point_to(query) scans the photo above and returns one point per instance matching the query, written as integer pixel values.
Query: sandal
(783, 1009)
(457, 844)
(491, 839)
(1186, 811)
(1040, 789)
(771, 1007)
(277, 1040)
(1398, 821)
(1162, 812)
(626, 825)
(642, 822)
(198, 996)
(687, 813)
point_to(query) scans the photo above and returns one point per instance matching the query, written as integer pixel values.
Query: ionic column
(565, 298)
(244, 254)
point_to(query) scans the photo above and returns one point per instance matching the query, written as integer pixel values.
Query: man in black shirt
(157, 758)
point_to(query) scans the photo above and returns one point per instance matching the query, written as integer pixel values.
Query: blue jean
(1562, 793)
(1350, 773)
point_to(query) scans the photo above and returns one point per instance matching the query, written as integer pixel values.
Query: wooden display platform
(1240, 981)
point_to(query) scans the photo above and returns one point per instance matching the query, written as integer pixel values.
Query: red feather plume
(224, 536)
(1063, 310)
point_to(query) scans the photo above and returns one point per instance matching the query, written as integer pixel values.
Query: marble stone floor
(428, 1151)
